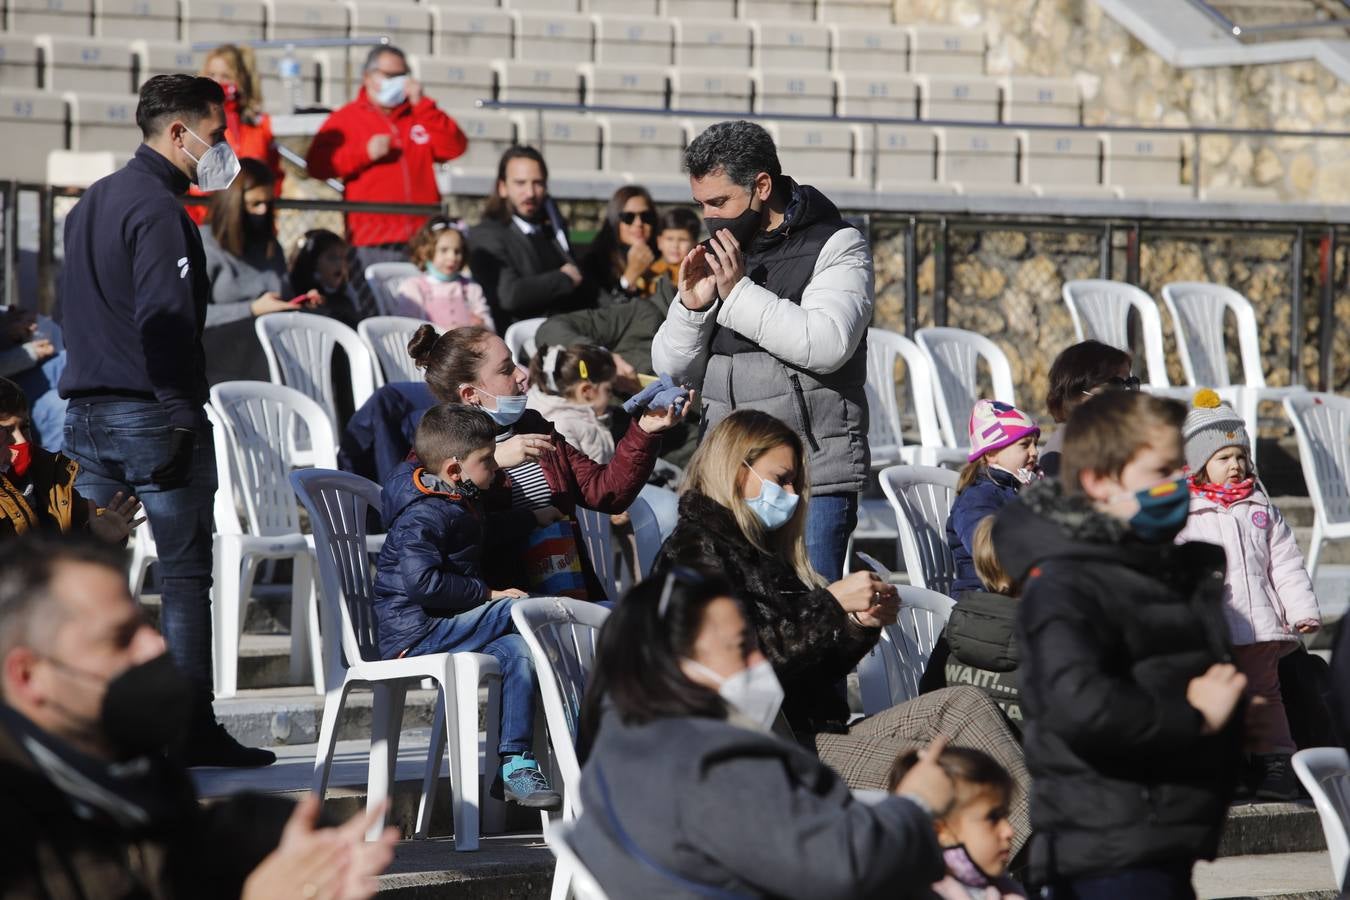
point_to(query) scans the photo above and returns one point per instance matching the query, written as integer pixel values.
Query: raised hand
(521, 448)
(698, 283)
(655, 421)
(117, 520)
(727, 262)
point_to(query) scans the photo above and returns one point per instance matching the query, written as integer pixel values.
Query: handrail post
(911, 277)
(941, 273)
(1106, 252)
(1296, 310)
(1326, 316)
(10, 229)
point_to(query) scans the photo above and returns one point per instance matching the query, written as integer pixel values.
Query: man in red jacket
(383, 145)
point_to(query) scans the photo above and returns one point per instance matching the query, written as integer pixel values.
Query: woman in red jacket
(248, 130)
(540, 469)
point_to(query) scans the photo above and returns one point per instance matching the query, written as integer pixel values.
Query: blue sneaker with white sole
(520, 781)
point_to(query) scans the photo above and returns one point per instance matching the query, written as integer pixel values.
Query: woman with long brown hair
(620, 260)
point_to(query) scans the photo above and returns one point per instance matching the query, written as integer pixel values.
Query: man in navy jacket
(134, 294)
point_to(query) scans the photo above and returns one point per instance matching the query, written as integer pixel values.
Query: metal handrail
(1253, 32)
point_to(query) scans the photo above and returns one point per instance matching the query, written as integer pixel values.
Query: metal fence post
(1326, 315)
(911, 277)
(10, 229)
(941, 273)
(1108, 238)
(1296, 310)
(46, 260)
(1132, 241)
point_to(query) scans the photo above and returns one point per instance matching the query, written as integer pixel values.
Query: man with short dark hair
(383, 147)
(520, 253)
(772, 314)
(134, 290)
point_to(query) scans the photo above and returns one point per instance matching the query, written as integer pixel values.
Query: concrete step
(268, 610)
(1281, 875)
(1256, 829)
(272, 717)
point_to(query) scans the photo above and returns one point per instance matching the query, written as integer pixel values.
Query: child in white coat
(1269, 599)
(572, 388)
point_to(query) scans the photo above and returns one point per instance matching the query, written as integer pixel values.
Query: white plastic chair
(383, 279)
(561, 635)
(1322, 426)
(1325, 773)
(386, 337)
(1198, 309)
(259, 418)
(955, 354)
(597, 535)
(520, 337)
(338, 504)
(1100, 310)
(883, 408)
(583, 883)
(299, 350)
(922, 498)
(647, 533)
(890, 672)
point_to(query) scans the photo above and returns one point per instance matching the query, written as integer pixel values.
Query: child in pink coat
(443, 295)
(1269, 599)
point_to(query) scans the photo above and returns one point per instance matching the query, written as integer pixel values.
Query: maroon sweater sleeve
(609, 488)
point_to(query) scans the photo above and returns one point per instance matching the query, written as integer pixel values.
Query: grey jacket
(237, 281)
(742, 812)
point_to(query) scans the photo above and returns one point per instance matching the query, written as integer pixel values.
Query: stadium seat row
(868, 12)
(500, 34)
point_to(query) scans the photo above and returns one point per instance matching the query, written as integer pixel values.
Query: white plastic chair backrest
(261, 419)
(387, 339)
(1100, 310)
(883, 348)
(647, 531)
(223, 511)
(338, 504)
(922, 497)
(299, 350)
(520, 337)
(1325, 773)
(954, 355)
(561, 634)
(597, 534)
(384, 278)
(1197, 309)
(583, 885)
(890, 672)
(1322, 426)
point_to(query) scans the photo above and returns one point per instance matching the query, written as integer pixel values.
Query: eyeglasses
(647, 216)
(683, 575)
(1115, 383)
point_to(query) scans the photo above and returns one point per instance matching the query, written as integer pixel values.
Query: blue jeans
(118, 444)
(488, 629)
(1162, 882)
(47, 408)
(830, 520)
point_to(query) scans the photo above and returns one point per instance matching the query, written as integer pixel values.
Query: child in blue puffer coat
(1002, 458)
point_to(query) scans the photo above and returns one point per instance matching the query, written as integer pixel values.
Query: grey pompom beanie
(1210, 426)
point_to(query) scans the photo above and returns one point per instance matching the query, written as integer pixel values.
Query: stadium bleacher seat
(539, 82)
(1064, 162)
(700, 43)
(50, 16)
(553, 6)
(291, 19)
(794, 92)
(452, 81)
(570, 142)
(160, 58)
(155, 20)
(821, 153)
(103, 122)
(475, 33)
(906, 157)
(1042, 101)
(792, 45)
(86, 64)
(646, 147)
(959, 98)
(1143, 164)
(865, 12)
(207, 20)
(1239, 194)
(979, 160)
(556, 38)
(782, 10)
(878, 94)
(19, 62)
(630, 40)
(622, 7)
(490, 133)
(310, 91)
(711, 90)
(71, 169)
(31, 118)
(699, 9)
(945, 50)
(408, 25)
(626, 85)
(864, 48)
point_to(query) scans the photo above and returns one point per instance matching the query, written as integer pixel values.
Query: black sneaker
(1278, 781)
(214, 746)
(520, 781)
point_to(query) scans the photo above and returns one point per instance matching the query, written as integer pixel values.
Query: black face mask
(743, 228)
(146, 709)
(259, 224)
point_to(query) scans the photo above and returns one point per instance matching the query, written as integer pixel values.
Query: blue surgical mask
(1162, 513)
(773, 505)
(437, 275)
(392, 90)
(508, 409)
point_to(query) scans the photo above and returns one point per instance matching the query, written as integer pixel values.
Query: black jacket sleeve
(164, 249)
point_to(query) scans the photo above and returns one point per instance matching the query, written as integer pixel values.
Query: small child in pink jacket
(442, 294)
(1269, 599)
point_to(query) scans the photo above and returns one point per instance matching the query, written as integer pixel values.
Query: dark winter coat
(993, 490)
(380, 435)
(803, 630)
(979, 647)
(521, 273)
(431, 563)
(626, 329)
(1111, 631)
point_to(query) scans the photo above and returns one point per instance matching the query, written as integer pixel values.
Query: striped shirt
(529, 487)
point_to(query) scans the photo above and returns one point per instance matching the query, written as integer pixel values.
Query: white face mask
(217, 167)
(754, 692)
(392, 90)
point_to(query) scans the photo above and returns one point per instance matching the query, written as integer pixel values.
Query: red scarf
(1224, 494)
(21, 457)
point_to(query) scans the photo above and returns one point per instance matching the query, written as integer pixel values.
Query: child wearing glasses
(443, 295)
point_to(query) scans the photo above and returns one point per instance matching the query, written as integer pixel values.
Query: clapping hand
(697, 281)
(726, 261)
(115, 522)
(323, 863)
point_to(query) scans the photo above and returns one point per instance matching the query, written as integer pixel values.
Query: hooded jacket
(1111, 632)
(802, 629)
(1266, 588)
(577, 422)
(421, 135)
(993, 490)
(790, 339)
(626, 329)
(431, 563)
